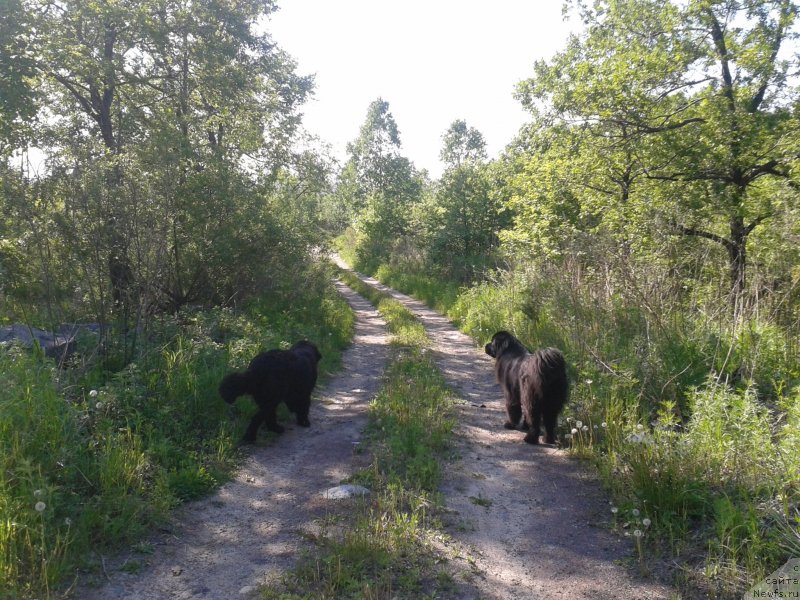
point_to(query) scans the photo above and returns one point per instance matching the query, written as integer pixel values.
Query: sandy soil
(529, 521)
(524, 522)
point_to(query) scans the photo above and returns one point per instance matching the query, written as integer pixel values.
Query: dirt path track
(221, 547)
(541, 535)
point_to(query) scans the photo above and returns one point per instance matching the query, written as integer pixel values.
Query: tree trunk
(737, 257)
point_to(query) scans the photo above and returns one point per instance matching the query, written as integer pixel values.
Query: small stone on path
(344, 491)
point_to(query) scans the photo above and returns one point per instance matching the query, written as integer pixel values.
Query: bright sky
(434, 61)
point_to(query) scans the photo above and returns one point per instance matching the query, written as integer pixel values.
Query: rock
(58, 345)
(344, 491)
(54, 345)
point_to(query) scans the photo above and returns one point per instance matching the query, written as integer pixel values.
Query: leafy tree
(381, 184)
(463, 216)
(17, 99)
(461, 144)
(168, 113)
(692, 98)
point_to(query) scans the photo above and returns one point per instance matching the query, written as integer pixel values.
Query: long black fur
(534, 384)
(273, 377)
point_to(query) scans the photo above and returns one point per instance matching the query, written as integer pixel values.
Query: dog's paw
(304, 422)
(532, 438)
(276, 428)
(509, 425)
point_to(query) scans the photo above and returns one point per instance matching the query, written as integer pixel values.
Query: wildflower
(638, 533)
(635, 512)
(646, 522)
(640, 427)
(40, 506)
(37, 493)
(614, 510)
(578, 424)
(68, 522)
(568, 436)
(99, 405)
(585, 428)
(93, 394)
(589, 382)
(574, 431)
(603, 424)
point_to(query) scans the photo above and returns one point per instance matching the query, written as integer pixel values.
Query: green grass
(693, 425)
(383, 546)
(93, 456)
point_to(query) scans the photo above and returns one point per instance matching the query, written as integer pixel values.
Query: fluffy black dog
(273, 377)
(534, 383)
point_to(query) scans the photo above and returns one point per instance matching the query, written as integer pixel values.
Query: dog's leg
(302, 414)
(550, 420)
(513, 411)
(252, 428)
(534, 417)
(271, 419)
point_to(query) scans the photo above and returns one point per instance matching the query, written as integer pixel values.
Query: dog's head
(232, 386)
(500, 341)
(308, 348)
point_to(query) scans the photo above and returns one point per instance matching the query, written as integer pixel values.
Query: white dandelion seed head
(99, 405)
(585, 428)
(93, 394)
(568, 436)
(640, 427)
(37, 493)
(638, 533)
(578, 424)
(603, 424)
(614, 510)
(646, 522)
(40, 506)
(589, 382)
(635, 512)
(67, 521)
(574, 431)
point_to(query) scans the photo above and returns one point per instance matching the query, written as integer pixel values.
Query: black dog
(273, 377)
(535, 384)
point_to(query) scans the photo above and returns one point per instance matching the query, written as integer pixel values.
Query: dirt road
(525, 522)
(530, 520)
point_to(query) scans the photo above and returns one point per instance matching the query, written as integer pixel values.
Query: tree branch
(703, 234)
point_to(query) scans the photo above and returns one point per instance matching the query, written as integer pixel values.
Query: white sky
(434, 61)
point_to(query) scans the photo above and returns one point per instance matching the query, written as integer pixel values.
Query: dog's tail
(232, 386)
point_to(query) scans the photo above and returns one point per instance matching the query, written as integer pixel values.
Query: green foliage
(661, 117)
(378, 187)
